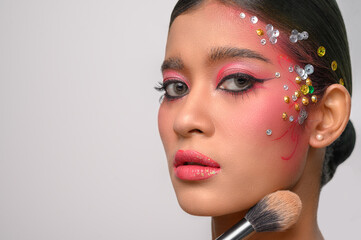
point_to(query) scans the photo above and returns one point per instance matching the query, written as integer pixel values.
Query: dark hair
(323, 21)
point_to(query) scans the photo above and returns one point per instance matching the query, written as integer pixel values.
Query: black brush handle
(239, 231)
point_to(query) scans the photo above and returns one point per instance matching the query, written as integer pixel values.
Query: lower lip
(195, 172)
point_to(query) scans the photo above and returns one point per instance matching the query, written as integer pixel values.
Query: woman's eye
(175, 89)
(236, 83)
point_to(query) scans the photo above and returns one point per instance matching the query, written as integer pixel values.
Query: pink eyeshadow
(173, 75)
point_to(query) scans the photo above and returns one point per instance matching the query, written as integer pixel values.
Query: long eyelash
(160, 88)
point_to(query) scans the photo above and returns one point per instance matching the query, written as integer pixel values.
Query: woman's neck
(308, 189)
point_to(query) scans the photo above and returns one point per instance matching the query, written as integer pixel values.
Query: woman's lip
(193, 166)
(190, 156)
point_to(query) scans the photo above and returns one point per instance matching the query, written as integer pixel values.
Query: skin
(231, 129)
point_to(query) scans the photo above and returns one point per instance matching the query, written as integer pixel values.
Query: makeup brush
(276, 212)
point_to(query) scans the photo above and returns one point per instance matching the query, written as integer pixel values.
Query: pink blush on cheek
(284, 62)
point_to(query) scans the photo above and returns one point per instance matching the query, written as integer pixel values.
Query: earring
(319, 137)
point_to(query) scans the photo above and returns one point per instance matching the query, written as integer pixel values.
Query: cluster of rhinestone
(297, 36)
(306, 90)
(272, 34)
(303, 92)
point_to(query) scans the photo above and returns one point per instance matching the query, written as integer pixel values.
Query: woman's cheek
(284, 149)
(165, 128)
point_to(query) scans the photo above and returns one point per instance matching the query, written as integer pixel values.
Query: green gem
(312, 89)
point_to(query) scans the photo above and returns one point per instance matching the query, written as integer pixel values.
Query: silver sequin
(254, 19)
(309, 69)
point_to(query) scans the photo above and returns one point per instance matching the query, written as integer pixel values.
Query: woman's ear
(330, 117)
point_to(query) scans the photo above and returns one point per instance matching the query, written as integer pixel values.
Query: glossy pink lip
(194, 166)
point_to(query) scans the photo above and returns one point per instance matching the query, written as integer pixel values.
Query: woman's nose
(194, 116)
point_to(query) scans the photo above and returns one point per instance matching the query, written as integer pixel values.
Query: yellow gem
(259, 32)
(298, 94)
(305, 89)
(297, 107)
(305, 101)
(321, 51)
(342, 82)
(298, 80)
(314, 99)
(309, 82)
(287, 99)
(334, 65)
(284, 116)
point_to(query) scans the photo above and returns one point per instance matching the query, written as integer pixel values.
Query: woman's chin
(211, 208)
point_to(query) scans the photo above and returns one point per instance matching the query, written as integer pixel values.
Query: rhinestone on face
(298, 94)
(286, 99)
(291, 118)
(309, 69)
(342, 82)
(259, 32)
(297, 107)
(284, 116)
(305, 35)
(242, 15)
(294, 32)
(254, 19)
(334, 65)
(312, 89)
(294, 98)
(290, 69)
(285, 87)
(270, 33)
(269, 132)
(300, 71)
(278, 75)
(298, 80)
(269, 27)
(304, 76)
(308, 82)
(302, 117)
(305, 89)
(293, 38)
(299, 37)
(305, 101)
(314, 99)
(263, 42)
(321, 51)
(273, 40)
(276, 33)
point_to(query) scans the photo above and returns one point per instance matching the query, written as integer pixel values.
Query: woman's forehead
(215, 25)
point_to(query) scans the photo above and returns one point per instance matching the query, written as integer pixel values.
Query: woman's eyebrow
(220, 53)
(216, 54)
(174, 63)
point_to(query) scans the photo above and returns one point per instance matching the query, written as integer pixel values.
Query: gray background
(80, 155)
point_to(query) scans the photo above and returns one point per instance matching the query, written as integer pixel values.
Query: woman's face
(224, 90)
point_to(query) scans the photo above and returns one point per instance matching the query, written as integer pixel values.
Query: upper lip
(190, 157)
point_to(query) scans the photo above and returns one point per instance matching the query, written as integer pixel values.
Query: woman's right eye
(175, 89)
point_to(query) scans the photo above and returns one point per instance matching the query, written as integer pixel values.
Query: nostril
(195, 131)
